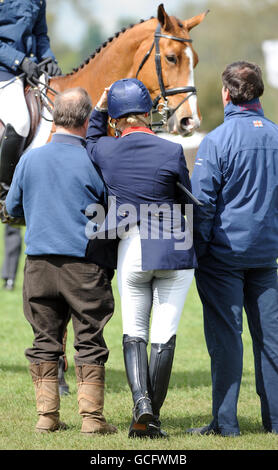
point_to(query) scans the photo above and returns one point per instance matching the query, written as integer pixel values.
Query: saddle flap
(34, 105)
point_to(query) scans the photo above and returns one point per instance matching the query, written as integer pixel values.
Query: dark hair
(244, 81)
(72, 107)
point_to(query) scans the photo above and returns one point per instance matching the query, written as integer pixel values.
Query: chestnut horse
(158, 52)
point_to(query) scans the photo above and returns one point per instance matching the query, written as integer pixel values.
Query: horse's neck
(114, 61)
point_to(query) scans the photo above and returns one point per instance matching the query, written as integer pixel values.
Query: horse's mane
(104, 44)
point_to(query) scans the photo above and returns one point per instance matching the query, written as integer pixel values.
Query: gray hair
(72, 107)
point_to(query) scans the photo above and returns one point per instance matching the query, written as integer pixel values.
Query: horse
(158, 52)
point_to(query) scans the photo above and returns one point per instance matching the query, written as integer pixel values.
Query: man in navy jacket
(52, 187)
(236, 241)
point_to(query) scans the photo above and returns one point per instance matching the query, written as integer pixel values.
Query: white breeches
(162, 291)
(13, 107)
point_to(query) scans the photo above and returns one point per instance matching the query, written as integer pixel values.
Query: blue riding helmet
(128, 96)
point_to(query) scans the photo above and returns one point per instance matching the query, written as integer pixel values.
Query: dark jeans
(224, 291)
(57, 288)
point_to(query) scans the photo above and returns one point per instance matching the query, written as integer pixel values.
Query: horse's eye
(171, 58)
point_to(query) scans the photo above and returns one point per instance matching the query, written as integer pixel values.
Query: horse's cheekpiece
(163, 108)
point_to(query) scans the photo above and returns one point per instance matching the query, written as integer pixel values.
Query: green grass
(188, 402)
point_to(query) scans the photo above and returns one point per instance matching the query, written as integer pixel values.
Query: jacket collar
(243, 109)
(132, 130)
(69, 139)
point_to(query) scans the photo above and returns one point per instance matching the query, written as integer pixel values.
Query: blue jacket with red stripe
(236, 177)
(141, 171)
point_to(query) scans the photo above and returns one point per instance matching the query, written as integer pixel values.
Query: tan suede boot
(45, 379)
(90, 380)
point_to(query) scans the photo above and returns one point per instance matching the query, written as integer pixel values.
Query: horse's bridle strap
(177, 91)
(145, 58)
(167, 36)
(158, 62)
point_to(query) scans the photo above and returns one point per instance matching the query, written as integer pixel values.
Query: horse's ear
(163, 18)
(192, 22)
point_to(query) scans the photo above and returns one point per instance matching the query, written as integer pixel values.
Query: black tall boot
(136, 365)
(11, 148)
(161, 361)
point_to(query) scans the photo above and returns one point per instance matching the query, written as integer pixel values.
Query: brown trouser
(57, 288)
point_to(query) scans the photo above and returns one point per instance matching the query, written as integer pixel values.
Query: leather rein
(163, 108)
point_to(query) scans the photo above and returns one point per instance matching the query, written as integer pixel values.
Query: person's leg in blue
(221, 291)
(261, 306)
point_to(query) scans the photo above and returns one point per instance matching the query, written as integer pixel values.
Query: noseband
(163, 108)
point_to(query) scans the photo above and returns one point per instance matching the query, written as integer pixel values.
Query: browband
(175, 38)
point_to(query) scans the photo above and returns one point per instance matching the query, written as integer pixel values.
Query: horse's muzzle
(184, 126)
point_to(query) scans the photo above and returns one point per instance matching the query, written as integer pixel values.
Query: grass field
(188, 402)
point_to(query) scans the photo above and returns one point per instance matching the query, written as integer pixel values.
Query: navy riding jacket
(236, 177)
(23, 32)
(141, 170)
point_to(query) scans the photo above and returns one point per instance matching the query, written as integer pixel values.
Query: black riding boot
(11, 148)
(161, 361)
(136, 365)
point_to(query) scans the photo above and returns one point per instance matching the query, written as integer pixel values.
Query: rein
(163, 108)
(46, 101)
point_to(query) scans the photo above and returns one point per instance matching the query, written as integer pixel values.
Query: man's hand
(7, 218)
(4, 216)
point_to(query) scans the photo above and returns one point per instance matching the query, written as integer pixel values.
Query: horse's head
(171, 84)
(158, 52)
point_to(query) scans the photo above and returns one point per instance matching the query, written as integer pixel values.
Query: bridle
(163, 108)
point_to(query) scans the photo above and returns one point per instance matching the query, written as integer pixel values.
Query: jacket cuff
(16, 60)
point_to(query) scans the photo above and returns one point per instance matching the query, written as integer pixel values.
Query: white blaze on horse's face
(186, 119)
(193, 121)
